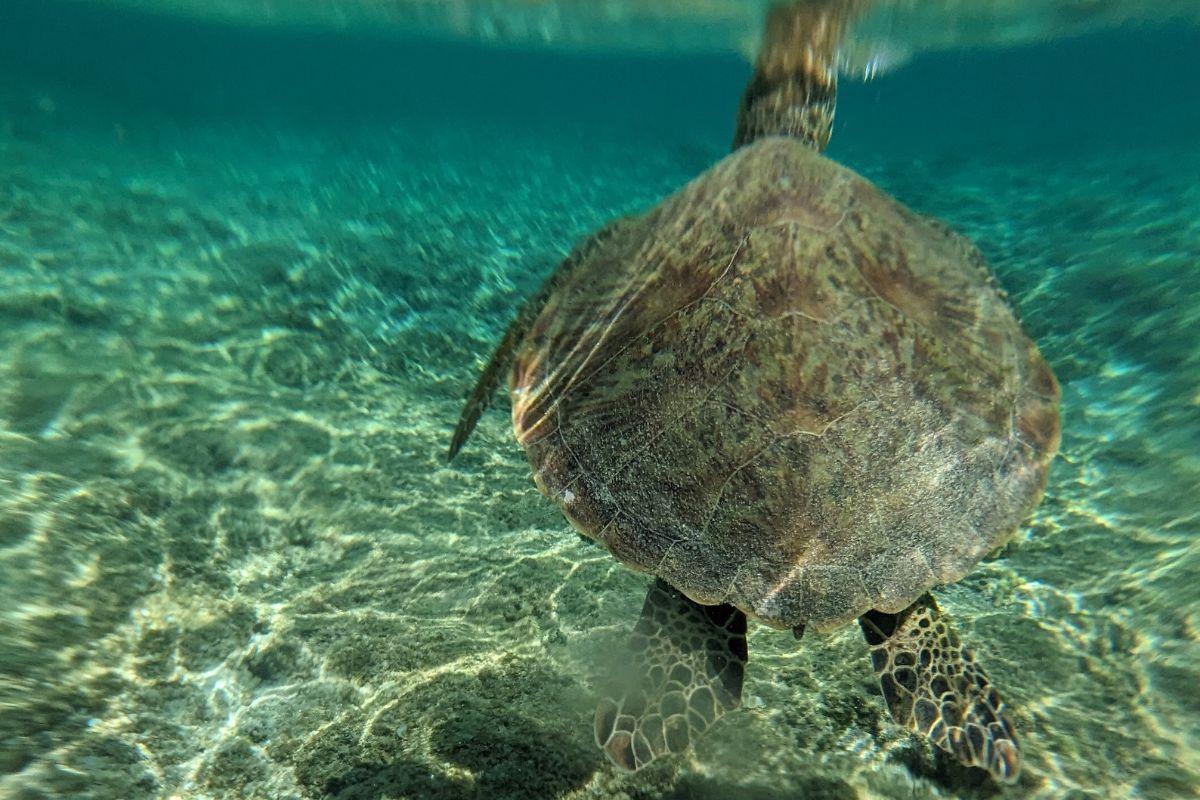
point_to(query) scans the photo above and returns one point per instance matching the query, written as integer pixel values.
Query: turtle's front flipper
(489, 379)
(684, 673)
(502, 356)
(933, 686)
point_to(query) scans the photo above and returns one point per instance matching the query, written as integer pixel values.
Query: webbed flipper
(502, 356)
(685, 670)
(933, 686)
(489, 379)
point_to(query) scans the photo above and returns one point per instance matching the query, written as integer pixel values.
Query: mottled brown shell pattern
(783, 390)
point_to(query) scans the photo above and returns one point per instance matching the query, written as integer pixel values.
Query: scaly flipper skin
(933, 686)
(686, 667)
(794, 88)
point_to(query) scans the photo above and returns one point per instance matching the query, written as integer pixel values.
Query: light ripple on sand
(234, 562)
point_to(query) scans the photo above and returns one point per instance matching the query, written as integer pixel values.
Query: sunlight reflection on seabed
(235, 335)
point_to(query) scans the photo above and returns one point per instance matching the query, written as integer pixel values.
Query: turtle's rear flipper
(684, 673)
(933, 686)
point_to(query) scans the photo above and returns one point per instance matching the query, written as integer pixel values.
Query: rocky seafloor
(234, 563)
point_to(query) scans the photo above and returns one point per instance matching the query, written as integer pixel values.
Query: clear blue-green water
(249, 268)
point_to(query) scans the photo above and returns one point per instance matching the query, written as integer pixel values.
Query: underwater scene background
(251, 264)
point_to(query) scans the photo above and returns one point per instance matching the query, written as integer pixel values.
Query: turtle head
(794, 87)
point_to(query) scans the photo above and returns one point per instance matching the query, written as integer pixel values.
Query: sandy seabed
(233, 562)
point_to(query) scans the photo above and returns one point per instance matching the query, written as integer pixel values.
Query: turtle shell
(782, 389)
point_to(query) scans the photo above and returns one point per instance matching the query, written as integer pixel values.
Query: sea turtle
(788, 397)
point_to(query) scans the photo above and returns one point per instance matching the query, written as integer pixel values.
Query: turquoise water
(250, 268)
